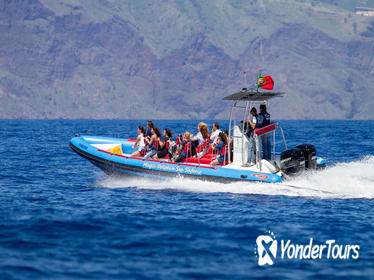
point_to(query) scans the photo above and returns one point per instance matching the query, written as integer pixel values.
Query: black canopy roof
(253, 95)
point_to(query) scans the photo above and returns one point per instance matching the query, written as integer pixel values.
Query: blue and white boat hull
(96, 149)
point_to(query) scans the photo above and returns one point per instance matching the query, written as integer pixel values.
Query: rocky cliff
(177, 59)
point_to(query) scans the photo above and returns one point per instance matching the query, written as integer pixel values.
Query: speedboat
(113, 155)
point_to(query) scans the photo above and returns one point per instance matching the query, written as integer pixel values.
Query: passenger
(204, 146)
(164, 145)
(204, 132)
(153, 142)
(148, 131)
(219, 147)
(172, 149)
(200, 138)
(179, 140)
(215, 132)
(265, 139)
(140, 144)
(183, 147)
(201, 135)
(251, 145)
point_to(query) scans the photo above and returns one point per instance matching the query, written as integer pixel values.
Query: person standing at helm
(254, 123)
(265, 115)
(265, 139)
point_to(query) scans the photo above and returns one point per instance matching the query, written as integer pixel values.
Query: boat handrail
(203, 148)
(188, 150)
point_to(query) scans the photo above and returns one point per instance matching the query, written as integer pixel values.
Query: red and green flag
(265, 82)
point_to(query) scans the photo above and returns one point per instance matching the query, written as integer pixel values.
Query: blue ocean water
(63, 218)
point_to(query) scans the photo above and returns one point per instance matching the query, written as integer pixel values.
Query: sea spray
(343, 180)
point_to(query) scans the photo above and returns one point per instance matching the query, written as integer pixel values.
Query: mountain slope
(177, 59)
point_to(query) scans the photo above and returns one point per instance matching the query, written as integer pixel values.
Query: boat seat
(204, 160)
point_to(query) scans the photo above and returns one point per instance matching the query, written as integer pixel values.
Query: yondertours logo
(266, 250)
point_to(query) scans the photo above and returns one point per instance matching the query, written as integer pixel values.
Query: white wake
(343, 180)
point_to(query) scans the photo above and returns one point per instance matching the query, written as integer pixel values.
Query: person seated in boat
(185, 148)
(153, 143)
(202, 135)
(201, 140)
(179, 140)
(222, 142)
(148, 131)
(264, 119)
(172, 149)
(165, 145)
(251, 125)
(140, 143)
(215, 132)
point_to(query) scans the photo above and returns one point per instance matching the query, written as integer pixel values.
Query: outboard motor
(310, 155)
(292, 161)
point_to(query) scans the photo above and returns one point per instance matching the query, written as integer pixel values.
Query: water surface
(63, 218)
